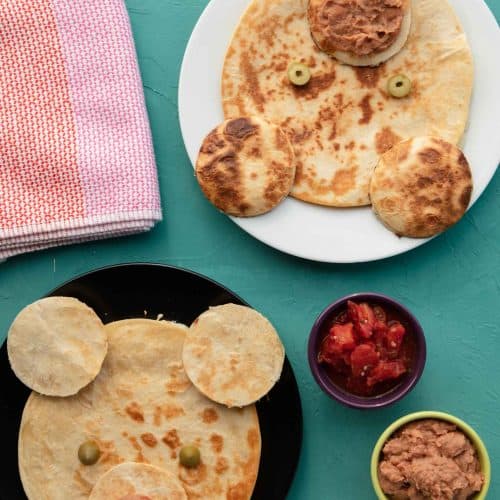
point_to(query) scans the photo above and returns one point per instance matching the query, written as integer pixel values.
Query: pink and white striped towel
(76, 156)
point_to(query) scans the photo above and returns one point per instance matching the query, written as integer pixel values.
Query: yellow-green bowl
(482, 453)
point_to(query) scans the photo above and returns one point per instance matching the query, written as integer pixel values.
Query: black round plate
(147, 290)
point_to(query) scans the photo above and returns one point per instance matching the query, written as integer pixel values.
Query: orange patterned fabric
(76, 154)
(36, 117)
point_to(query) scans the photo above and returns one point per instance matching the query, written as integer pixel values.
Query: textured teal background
(452, 284)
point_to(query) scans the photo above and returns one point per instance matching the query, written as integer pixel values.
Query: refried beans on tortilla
(360, 27)
(430, 459)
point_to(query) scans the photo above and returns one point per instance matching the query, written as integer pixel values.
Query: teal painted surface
(452, 284)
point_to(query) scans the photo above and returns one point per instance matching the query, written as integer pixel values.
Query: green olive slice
(299, 74)
(89, 453)
(399, 86)
(189, 456)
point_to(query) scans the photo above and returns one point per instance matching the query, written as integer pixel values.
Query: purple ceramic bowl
(407, 383)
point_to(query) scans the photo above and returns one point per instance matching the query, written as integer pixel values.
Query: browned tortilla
(343, 119)
(246, 166)
(421, 187)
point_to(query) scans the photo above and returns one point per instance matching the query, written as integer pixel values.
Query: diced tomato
(365, 349)
(394, 336)
(379, 314)
(343, 335)
(386, 370)
(363, 358)
(379, 332)
(363, 318)
(331, 354)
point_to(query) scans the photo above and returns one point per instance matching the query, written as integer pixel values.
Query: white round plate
(322, 233)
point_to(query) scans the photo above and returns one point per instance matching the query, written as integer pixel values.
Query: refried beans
(429, 459)
(360, 27)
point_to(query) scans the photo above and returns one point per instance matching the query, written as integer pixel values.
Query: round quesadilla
(140, 408)
(246, 166)
(344, 117)
(57, 345)
(233, 355)
(421, 187)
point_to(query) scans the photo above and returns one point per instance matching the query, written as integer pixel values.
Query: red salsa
(367, 349)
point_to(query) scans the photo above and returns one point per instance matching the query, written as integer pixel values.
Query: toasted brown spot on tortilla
(217, 442)
(252, 81)
(223, 174)
(134, 411)
(385, 140)
(135, 443)
(256, 152)
(424, 182)
(171, 439)
(442, 144)
(403, 150)
(465, 197)
(157, 416)
(281, 66)
(238, 491)
(344, 180)
(253, 438)
(209, 415)
(366, 109)
(85, 486)
(368, 77)
(243, 207)
(430, 155)
(221, 465)
(141, 458)
(149, 439)
(280, 139)
(172, 411)
(212, 143)
(316, 85)
(175, 386)
(267, 30)
(108, 453)
(462, 160)
(298, 136)
(240, 128)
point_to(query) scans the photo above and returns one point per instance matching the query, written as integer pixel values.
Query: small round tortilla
(233, 355)
(57, 345)
(421, 187)
(349, 58)
(135, 480)
(246, 166)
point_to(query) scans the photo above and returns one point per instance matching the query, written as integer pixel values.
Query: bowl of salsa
(367, 350)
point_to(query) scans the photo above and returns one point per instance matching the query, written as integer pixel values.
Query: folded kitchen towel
(76, 156)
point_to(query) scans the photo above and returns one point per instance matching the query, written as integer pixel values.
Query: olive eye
(399, 86)
(89, 453)
(189, 456)
(298, 74)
